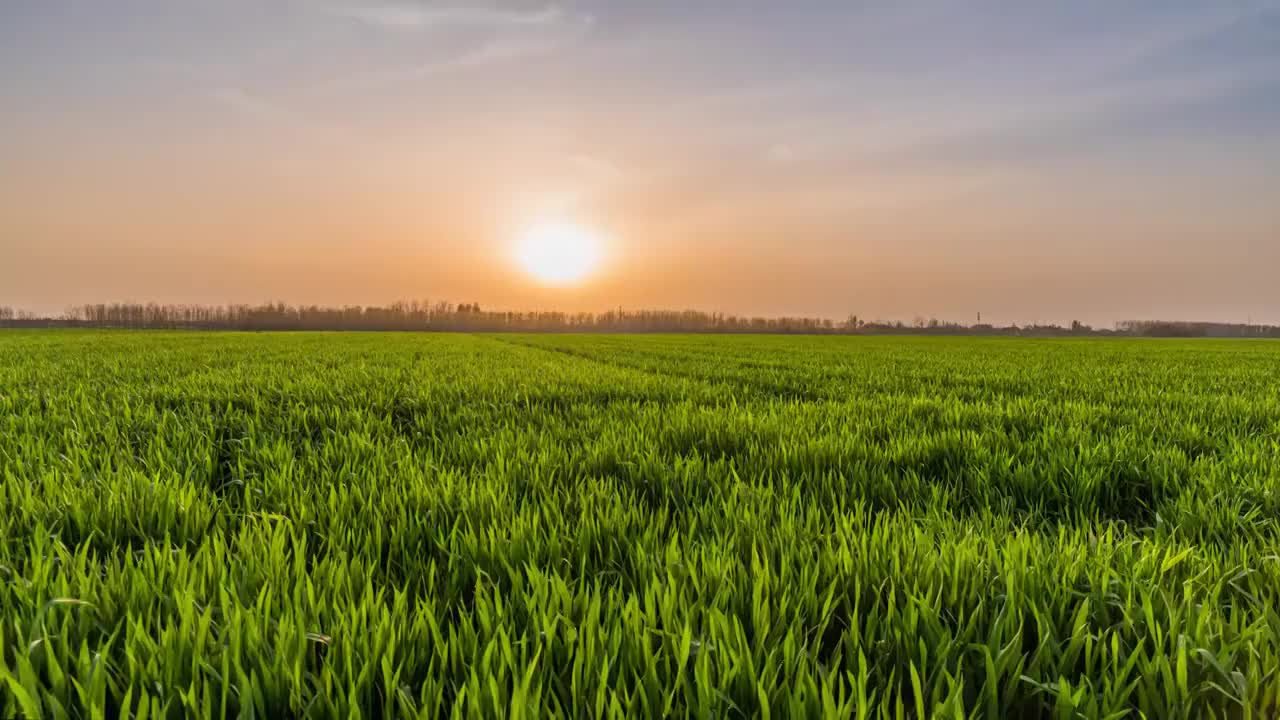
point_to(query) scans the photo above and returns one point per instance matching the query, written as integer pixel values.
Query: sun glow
(558, 253)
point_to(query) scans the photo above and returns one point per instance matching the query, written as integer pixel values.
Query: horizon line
(12, 312)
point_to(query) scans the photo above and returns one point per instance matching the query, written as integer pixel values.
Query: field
(637, 526)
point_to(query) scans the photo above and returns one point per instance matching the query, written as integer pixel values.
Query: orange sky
(1109, 164)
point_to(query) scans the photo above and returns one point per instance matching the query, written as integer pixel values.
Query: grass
(410, 525)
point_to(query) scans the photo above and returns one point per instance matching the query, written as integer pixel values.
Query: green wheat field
(438, 525)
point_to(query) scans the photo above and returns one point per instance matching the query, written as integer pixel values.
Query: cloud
(1046, 113)
(248, 104)
(1208, 20)
(1102, 91)
(495, 34)
(492, 51)
(953, 134)
(596, 169)
(273, 112)
(422, 15)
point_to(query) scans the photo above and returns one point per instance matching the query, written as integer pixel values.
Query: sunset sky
(1033, 161)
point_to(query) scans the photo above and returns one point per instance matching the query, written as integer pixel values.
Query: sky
(1032, 161)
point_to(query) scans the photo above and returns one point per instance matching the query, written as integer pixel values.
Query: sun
(558, 253)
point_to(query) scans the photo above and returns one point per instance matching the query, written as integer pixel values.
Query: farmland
(414, 525)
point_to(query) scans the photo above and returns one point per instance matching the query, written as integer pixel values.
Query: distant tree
(421, 315)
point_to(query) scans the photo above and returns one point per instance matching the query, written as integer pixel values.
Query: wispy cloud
(491, 51)
(250, 105)
(1097, 90)
(424, 15)
(494, 34)
(275, 112)
(596, 169)
(924, 129)
(1208, 20)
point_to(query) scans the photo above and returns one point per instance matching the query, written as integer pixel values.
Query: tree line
(1167, 328)
(470, 317)
(413, 315)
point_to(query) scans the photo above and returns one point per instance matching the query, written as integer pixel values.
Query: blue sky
(1035, 160)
